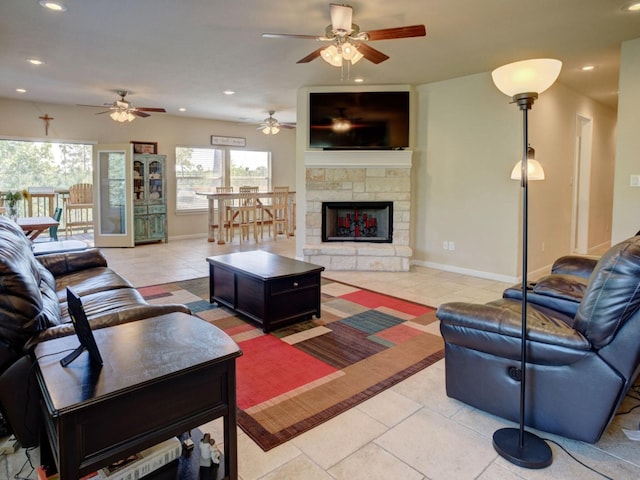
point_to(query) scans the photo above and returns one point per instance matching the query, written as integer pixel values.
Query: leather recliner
(579, 365)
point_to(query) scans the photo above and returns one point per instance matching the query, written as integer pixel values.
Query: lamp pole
(520, 447)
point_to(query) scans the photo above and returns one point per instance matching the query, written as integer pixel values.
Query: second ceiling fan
(347, 41)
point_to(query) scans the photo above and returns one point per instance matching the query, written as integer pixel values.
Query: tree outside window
(204, 169)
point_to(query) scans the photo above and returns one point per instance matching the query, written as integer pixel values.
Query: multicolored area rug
(296, 377)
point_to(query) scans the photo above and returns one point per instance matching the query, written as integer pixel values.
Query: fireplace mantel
(358, 158)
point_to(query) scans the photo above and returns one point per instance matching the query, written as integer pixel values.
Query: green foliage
(25, 164)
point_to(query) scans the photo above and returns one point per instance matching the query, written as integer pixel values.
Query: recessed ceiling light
(34, 61)
(182, 109)
(229, 92)
(55, 6)
(358, 80)
(632, 7)
(588, 68)
(21, 90)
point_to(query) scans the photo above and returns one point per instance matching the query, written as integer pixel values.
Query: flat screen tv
(359, 120)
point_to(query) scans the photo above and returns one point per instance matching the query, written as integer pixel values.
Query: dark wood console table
(270, 289)
(161, 377)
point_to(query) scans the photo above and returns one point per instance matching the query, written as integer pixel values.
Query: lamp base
(535, 452)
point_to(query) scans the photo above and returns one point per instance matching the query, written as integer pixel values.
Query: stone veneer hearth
(337, 176)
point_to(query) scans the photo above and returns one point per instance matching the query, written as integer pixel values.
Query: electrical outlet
(452, 246)
(634, 180)
(445, 245)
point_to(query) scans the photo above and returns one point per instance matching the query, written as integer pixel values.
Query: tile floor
(411, 431)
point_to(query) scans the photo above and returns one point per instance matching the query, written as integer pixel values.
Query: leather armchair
(580, 365)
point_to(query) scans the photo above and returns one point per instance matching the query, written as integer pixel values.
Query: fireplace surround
(358, 176)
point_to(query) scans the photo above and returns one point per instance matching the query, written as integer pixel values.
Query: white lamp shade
(534, 170)
(332, 56)
(526, 76)
(348, 51)
(356, 57)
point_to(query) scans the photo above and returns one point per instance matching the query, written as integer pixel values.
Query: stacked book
(133, 467)
(143, 463)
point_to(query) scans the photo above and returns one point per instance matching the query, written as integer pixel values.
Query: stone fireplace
(364, 178)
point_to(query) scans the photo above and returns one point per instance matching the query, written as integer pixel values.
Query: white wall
(626, 204)
(469, 137)
(20, 119)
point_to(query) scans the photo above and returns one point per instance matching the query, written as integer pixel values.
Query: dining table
(215, 199)
(34, 226)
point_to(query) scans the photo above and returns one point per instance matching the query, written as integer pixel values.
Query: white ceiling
(184, 53)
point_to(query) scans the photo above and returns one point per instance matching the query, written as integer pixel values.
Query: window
(204, 169)
(250, 168)
(197, 170)
(44, 164)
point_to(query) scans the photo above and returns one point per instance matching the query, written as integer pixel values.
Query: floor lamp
(523, 81)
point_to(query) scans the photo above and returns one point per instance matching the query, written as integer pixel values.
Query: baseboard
(188, 237)
(467, 271)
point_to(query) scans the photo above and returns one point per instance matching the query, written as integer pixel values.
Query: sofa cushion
(27, 301)
(613, 293)
(92, 280)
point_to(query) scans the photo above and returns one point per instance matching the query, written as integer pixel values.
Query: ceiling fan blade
(99, 113)
(398, 32)
(312, 56)
(150, 109)
(371, 54)
(287, 125)
(95, 106)
(140, 114)
(341, 16)
(287, 35)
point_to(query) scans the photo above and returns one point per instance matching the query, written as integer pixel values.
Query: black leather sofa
(583, 345)
(33, 308)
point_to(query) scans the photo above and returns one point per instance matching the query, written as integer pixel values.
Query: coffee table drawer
(288, 284)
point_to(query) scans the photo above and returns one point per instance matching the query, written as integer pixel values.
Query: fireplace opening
(357, 222)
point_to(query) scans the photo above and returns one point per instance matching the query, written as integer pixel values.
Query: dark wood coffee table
(270, 289)
(161, 377)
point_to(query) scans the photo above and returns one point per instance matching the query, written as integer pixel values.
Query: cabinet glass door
(156, 176)
(112, 199)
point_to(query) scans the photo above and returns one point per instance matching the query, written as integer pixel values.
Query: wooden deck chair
(79, 208)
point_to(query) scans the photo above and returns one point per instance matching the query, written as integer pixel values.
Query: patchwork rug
(296, 377)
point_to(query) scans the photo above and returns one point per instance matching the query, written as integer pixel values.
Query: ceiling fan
(271, 125)
(347, 42)
(122, 110)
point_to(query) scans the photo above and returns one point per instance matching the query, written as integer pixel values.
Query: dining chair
(276, 214)
(247, 213)
(227, 206)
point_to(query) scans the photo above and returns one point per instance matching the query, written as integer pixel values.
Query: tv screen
(359, 120)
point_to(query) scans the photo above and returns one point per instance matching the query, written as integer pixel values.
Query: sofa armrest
(111, 318)
(581, 266)
(64, 263)
(504, 319)
(557, 291)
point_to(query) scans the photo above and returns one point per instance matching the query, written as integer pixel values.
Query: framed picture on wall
(145, 147)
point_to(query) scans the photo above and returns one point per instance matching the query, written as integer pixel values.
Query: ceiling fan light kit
(122, 116)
